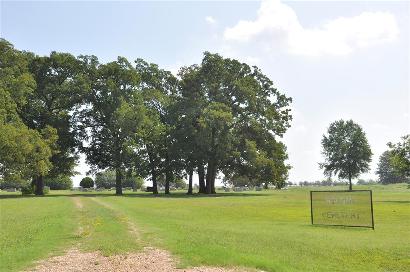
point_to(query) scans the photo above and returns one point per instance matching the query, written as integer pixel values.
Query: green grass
(103, 229)
(30, 228)
(268, 230)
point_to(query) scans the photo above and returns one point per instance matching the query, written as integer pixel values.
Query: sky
(337, 60)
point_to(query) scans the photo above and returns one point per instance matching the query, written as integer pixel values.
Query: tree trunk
(212, 167)
(39, 185)
(153, 173)
(190, 181)
(118, 181)
(154, 181)
(213, 177)
(208, 178)
(168, 178)
(201, 176)
(350, 182)
(33, 183)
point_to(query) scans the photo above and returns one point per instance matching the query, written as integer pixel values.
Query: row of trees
(221, 116)
(326, 182)
(394, 163)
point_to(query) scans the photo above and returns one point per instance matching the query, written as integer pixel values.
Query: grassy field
(269, 230)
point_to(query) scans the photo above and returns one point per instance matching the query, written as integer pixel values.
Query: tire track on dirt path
(77, 202)
(80, 206)
(149, 259)
(132, 228)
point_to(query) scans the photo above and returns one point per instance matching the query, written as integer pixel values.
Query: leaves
(221, 115)
(346, 150)
(226, 105)
(24, 152)
(387, 171)
(114, 114)
(400, 156)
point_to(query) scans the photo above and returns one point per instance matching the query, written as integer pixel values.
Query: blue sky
(336, 59)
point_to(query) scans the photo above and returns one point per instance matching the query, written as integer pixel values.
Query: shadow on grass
(344, 227)
(395, 201)
(137, 195)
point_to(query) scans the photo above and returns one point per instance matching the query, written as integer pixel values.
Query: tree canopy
(87, 182)
(234, 116)
(400, 156)
(25, 152)
(386, 170)
(346, 150)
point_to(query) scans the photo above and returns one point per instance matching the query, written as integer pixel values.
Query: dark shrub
(87, 182)
(27, 189)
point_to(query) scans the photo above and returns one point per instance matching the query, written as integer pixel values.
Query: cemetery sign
(342, 208)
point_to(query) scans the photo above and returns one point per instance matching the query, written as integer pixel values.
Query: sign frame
(341, 191)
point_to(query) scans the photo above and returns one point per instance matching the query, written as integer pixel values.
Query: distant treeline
(341, 183)
(330, 183)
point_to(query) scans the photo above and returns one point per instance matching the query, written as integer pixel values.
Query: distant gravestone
(342, 208)
(258, 188)
(10, 190)
(149, 189)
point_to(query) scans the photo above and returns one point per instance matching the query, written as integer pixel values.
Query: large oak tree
(61, 86)
(225, 98)
(24, 152)
(112, 116)
(155, 141)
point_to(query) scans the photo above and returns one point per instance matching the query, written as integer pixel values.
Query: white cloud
(278, 24)
(210, 20)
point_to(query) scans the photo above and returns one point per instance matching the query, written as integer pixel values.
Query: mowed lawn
(268, 230)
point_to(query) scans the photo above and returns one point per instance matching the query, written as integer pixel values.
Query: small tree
(400, 158)
(87, 182)
(386, 171)
(346, 150)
